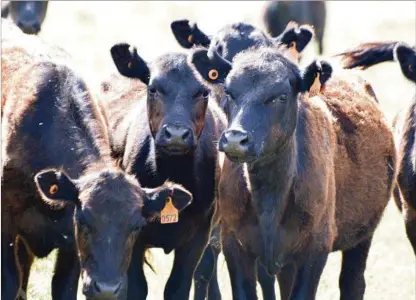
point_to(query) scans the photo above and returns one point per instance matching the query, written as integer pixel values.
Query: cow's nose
(235, 142)
(102, 290)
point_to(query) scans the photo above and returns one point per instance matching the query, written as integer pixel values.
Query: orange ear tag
(53, 189)
(169, 213)
(190, 38)
(293, 53)
(213, 74)
(316, 86)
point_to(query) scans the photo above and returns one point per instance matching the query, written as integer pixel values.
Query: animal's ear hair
(54, 185)
(210, 65)
(169, 194)
(406, 56)
(188, 34)
(129, 63)
(295, 36)
(315, 76)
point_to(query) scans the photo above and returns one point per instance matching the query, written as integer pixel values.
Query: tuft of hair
(368, 54)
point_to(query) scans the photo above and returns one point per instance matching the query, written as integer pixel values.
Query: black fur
(189, 35)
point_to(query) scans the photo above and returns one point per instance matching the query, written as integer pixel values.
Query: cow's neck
(271, 180)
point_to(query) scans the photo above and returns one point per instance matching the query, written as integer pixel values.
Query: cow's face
(110, 211)
(28, 15)
(176, 99)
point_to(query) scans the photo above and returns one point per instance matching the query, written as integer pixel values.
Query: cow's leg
(286, 279)
(242, 269)
(352, 281)
(186, 260)
(205, 277)
(409, 214)
(205, 287)
(214, 288)
(66, 276)
(9, 270)
(25, 258)
(266, 282)
(137, 284)
(307, 277)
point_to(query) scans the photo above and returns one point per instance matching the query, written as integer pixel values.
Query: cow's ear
(406, 56)
(295, 37)
(56, 186)
(315, 76)
(189, 35)
(167, 199)
(5, 10)
(210, 65)
(129, 63)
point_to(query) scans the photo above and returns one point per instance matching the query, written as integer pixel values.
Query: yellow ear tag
(213, 74)
(169, 213)
(53, 189)
(190, 38)
(316, 86)
(129, 65)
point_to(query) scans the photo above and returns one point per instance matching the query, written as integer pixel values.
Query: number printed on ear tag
(169, 213)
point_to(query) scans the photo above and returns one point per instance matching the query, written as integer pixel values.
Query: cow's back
(365, 157)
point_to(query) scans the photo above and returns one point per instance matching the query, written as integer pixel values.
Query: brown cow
(365, 56)
(58, 178)
(317, 184)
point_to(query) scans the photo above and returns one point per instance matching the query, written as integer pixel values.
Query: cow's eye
(205, 94)
(283, 98)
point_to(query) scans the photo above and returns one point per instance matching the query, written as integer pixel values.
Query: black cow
(169, 131)
(370, 54)
(306, 164)
(278, 13)
(27, 15)
(228, 42)
(58, 178)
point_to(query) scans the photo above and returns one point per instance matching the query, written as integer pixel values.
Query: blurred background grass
(87, 30)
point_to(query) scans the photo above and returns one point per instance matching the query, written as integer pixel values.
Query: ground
(88, 30)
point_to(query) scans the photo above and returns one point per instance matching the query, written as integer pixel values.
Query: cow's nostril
(168, 135)
(244, 141)
(186, 134)
(96, 287)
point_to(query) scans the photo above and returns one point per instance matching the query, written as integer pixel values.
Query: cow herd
(228, 146)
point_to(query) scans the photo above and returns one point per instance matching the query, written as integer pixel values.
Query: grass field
(88, 30)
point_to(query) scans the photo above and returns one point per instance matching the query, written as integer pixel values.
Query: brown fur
(25, 61)
(340, 197)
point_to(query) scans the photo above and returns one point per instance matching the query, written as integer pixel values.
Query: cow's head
(262, 87)
(176, 100)
(110, 210)
(27, 15)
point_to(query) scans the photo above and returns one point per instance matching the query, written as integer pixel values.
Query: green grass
(89, 29)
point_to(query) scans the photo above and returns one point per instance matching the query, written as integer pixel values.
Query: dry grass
(88, 29)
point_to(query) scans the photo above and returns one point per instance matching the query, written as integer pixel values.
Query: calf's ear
(55, 186)
(129, 63)
(169, 194)
(189, 35)
(315, 76)
(406, 56)
(210, 65)
(295, 37)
